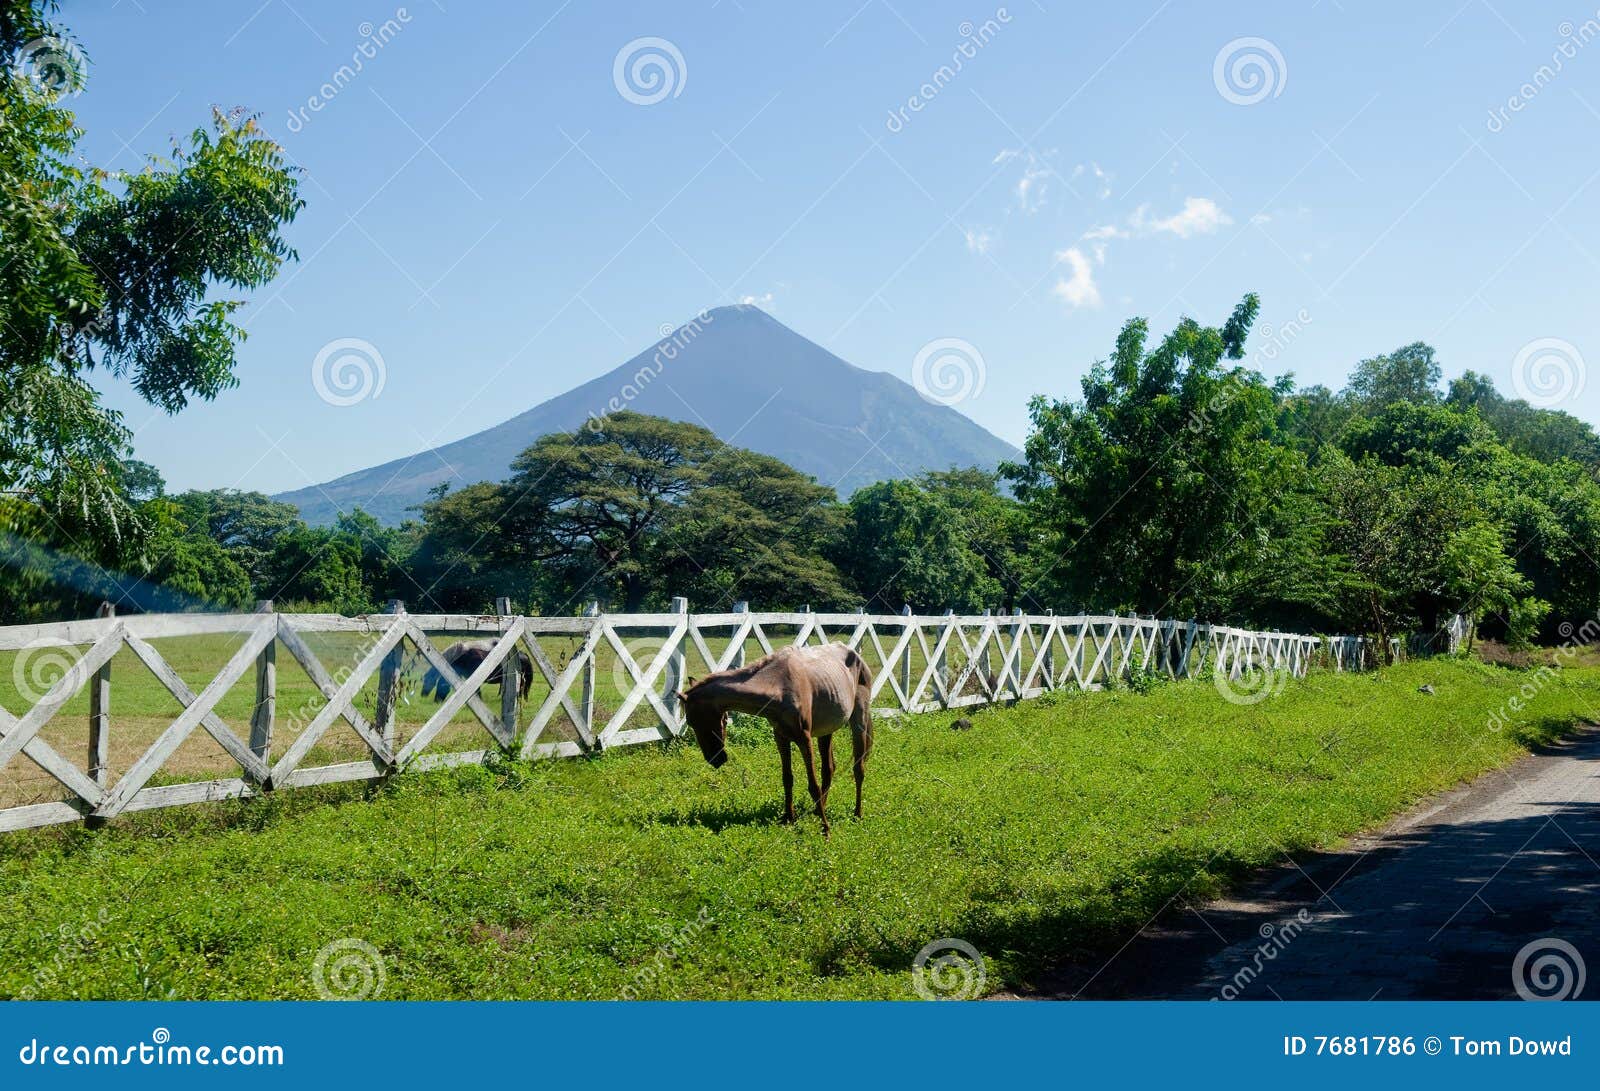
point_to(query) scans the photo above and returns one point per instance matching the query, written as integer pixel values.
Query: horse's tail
(858, 666)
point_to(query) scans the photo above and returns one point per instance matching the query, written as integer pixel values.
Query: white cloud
(978, 239)
(756, 300)
(1199, 216)
(1078, 289)
(1101, 176)
(1034, 183)
(1105, 231)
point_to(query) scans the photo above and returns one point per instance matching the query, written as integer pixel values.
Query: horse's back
(834, 675)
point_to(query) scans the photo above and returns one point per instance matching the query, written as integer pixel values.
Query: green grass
(1054, 828)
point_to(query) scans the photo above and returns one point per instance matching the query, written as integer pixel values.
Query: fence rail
(920, 663)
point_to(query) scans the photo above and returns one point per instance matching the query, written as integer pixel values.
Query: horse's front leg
(787, 758)
(811, 778)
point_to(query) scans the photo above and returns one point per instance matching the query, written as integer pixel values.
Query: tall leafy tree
(1162, 488)
(123, 272)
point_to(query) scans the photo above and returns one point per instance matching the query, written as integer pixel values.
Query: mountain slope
(736, 370)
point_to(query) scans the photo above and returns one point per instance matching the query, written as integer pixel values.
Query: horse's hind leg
(860, 743)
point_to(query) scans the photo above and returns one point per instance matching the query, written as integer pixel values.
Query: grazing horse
(805, 693)
(467, 656)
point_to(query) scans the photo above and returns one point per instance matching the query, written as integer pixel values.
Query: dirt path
(1436, 906)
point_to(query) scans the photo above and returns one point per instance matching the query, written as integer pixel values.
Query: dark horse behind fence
(467, 656)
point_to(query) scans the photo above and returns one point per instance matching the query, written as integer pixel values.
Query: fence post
(1016, 653)
(100, 714)
(587, 708)
(944, 663)
(905, 658)
(510, 679)
(266, 711)
(737, 659)
(1050, 650)
(389, 684)
(676, 665)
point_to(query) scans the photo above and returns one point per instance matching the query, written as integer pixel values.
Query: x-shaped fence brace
(964, 661)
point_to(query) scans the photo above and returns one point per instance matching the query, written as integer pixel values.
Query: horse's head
(710, 726)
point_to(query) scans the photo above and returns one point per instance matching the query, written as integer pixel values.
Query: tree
(1547, 435)
(632, 509)
(905, 545)
(1415, 546)
(1163, 489)
(248, 525)
(114, 271)
(1408, 374)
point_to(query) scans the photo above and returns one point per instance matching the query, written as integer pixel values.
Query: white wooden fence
(920, 663)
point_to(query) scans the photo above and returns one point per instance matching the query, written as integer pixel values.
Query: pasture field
(1050, 829)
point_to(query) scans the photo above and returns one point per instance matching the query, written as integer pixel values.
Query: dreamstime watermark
(1274, 341)
(649, 70)
(41, 665)
(1249, 70)
(373, 39)
(349, 969)
(973, 39)
(1275, 939)
(1573, 638)
(1547, 372)
(72, 944)
(674, 943)
(1252, 684)
(348, 370)
(54, 65)
(948, 969)
(643, 650)
(1573, 38)
(949, 371)
(1549, 969)
(674, 340)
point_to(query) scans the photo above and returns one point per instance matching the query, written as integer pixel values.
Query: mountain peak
(734, 369)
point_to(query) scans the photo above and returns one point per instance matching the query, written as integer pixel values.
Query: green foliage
(115, 271)
(1408, 374)
(1167, 489)
(908, 545)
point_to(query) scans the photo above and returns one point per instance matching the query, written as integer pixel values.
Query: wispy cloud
(978, 239)
(1198, 216)
(1034, 184)
(1077, 289)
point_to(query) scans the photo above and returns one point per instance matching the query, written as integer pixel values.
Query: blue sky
(488, 210)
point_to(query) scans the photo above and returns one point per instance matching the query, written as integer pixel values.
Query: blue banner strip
(710, 1045)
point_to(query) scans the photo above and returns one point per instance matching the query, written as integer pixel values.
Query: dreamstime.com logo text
(1573, 38)
(158, 1050)
(668, 952)
(1573, 639)
(373, 39)
(1275, 939)
(973, 39)
(674, 339)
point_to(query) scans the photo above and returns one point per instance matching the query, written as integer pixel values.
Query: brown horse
(805, 693)
(466, 656)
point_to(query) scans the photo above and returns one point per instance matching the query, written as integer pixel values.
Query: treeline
(1180, 482)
